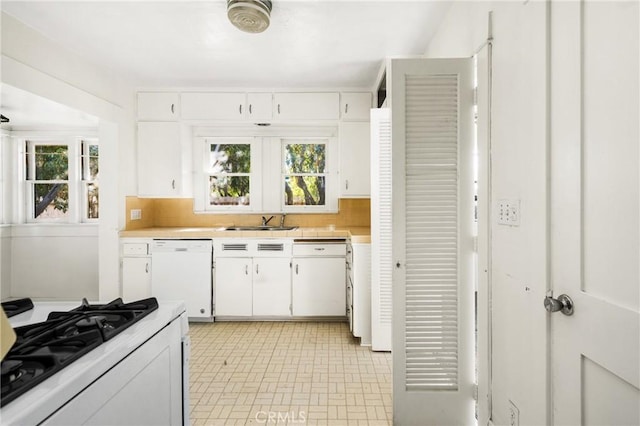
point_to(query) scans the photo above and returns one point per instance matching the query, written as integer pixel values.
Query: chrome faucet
(265, 221)
(284, 215)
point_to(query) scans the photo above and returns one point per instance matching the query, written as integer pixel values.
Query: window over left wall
(61, 180)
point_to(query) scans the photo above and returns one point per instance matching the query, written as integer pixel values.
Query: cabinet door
(136, 278)
(271, 286)
(259, 107)
(355, 163)
(213, 106)
(307, 106)
(158, 106)
(355, 106)
(159, 159)
(233, 294)
(319, 287)
(361, 296)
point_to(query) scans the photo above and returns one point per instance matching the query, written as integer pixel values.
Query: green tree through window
(305, 174)
(50, 176)
(229, 180)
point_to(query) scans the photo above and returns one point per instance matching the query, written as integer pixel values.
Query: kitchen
(33, 62)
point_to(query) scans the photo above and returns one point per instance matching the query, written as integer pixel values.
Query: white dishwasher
(181, 270)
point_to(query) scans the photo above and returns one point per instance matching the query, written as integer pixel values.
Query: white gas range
(137, 374)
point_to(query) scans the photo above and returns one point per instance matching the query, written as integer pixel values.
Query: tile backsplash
(178, 212)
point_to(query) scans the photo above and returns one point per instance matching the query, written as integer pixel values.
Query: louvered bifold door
(432, 247)
(381, 232)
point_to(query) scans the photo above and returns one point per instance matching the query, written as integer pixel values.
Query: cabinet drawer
(135, 249)
(310, 249)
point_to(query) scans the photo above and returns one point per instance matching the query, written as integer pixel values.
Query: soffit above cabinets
(309, 44)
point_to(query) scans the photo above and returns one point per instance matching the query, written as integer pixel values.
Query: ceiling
(310, 43)
(28, 111)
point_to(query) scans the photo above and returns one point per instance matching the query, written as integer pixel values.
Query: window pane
(229, 190)
(92, 173)
(304, 190)
(234, 158)
(92, 201)
(50, 200)
(305, 158)
(52, 162)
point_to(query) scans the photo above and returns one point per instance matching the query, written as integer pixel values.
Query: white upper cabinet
(159, 159)
(213, 106)
(355, 164)
(355, 106)
(306, 106)
(259, 107)
(158, 106)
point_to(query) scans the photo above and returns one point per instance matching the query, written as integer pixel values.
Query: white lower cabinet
(234, 282)
(248, 287)
(252, 278)
(136, 278)
(360, 275)
(271, 287)
(136, 268)
(318, 286)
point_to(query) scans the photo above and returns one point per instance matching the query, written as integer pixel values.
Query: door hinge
(291, 309)
(290, 264)
(475, 392)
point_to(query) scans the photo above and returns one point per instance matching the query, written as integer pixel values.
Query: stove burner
(42, 349)
(11, 370)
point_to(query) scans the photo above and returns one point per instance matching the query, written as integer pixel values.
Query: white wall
(519, 171)
(56, 262)
(38, 65)
(5, 261)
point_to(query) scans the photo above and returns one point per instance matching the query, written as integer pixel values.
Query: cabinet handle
(173, 184)
(240, 109)
(246, 269)
(278, 108)
(250, 109)
(296, 269)
(319, 249)
(173, 109)
(346, 108)
(346, 184)
(146, 267)
(257, 268)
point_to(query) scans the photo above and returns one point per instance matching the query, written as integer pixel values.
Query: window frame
(267, 194)
(329, 195)
(85, 164)
(255, 190)
(77, 185)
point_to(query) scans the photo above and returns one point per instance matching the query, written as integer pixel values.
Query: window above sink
(277, 174)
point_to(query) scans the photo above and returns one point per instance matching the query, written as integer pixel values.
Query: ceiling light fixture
(251, 16)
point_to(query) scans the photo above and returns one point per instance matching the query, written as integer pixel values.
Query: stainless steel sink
(260, 228)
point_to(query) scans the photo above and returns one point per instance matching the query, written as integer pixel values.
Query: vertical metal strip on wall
(431, 331)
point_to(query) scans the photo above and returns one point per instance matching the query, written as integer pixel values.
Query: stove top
(44, 348)
(18, 306)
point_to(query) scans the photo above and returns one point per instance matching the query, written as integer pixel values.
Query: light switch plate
(508, 211)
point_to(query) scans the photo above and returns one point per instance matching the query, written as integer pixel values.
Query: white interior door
(432, 322)
(595, 355)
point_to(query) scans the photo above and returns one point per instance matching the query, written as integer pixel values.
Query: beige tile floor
(296, 373)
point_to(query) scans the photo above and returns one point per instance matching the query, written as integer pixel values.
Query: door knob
(563, 304)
